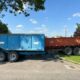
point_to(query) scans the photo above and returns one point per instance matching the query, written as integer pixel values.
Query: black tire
(12, 56)
(76, 51)
(2, 56)
(68, 50)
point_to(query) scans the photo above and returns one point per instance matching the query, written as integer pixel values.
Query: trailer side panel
(22, 42)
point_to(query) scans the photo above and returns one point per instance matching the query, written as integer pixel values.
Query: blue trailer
(11, 45)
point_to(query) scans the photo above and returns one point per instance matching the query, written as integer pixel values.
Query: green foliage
(3, 28)
(78, 26)
(17, 6)
(77, 32)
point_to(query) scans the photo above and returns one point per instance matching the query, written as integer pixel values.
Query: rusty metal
(62, 42)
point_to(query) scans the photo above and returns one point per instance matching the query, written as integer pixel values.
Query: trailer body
(23, 43)
(62, 42)
(68, 45)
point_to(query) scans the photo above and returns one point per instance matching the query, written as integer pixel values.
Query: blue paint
(13, 42)
(25, 42)
(3, 42)
(37, 42)
(31, 52)
(22, 42)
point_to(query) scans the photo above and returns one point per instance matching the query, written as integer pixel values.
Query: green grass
(74, 59)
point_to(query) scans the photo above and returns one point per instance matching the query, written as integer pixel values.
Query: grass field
(74, 59)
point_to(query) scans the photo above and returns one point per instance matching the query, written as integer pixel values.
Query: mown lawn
(74, 59)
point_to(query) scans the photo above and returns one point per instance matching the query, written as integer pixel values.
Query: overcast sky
(58, 16)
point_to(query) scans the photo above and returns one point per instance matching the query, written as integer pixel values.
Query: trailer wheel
(76, 51)
(12, 57)
(68, 50)
(2, 57)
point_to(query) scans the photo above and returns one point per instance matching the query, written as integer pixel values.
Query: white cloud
(19, 26)
(19, 29)
(76, 14)
(69, 18)
(33, 21)
(32, 31)
(39, 30)
(43, 30)
(43, 25)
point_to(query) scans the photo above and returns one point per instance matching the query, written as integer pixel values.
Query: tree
(77, 32)
(3, 28)
(17, 6)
